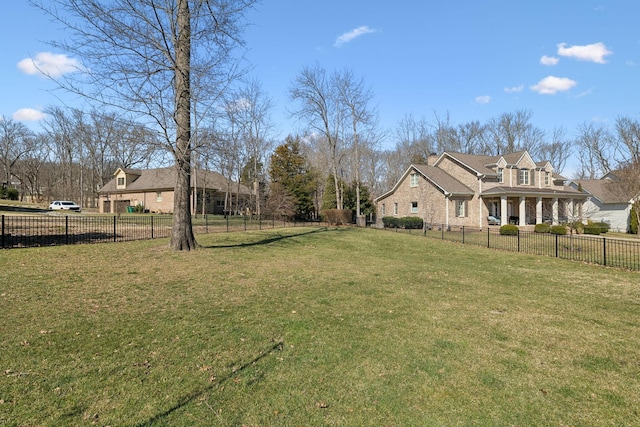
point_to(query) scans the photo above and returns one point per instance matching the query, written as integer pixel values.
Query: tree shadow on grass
(185, 400)
(266, 241)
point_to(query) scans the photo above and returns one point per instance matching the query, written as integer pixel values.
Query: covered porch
(533, 208)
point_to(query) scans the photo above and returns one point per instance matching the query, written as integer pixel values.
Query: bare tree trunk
(182, 237)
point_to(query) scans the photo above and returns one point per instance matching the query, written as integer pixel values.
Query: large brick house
(457, 189)
(153, 190)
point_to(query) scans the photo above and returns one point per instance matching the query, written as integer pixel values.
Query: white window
(546, 178)
(158, 196)
(524, 176)
(414, 207)
(461, 208)
(500, 175)
(414, 180)
(382, 210)
(395, 209)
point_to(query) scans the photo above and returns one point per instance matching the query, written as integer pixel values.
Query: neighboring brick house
(466, 190)
(153, 190)
(604, 202)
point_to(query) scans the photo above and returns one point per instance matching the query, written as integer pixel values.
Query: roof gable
(444, 182)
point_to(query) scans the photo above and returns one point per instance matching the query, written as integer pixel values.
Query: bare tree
(319, 108)
(414, 140)
(557, 151)
(29, 169)
(595, 149)
(16, 141)
(253, 108)
(628, 141)
(141, 55)
(511, 132)
(61, 128)
(355, 99)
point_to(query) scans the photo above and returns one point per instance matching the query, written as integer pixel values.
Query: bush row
(407, 222)
(595, 228)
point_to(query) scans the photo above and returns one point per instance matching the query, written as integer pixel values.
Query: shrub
(592, 229)
(577, 226)
(542, 228)
(411, 222)
(558, 229)
(509, 230)
(9, 193)
(390, 222)
(604, 227)
(337, 216)
(138, 208)
(633, 221)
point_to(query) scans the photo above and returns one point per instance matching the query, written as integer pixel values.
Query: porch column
(522, 211)
(538, 210)
(446, 210)
(504, 218)
(570, 213)
(555, 211)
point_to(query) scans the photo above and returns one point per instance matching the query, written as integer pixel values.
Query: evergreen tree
(290, 172)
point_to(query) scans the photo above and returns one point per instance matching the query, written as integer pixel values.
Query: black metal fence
(23, 231)
(611, 252)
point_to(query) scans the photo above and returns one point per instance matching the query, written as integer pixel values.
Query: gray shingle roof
(165, 179)
(443, 180)
(601, 189)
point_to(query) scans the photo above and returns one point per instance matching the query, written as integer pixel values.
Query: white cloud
(49, 64)
(485, 99)
(551, 85)
(28, 115)
(350, 35)
(548, 60)
(595, 52)
(514, 89)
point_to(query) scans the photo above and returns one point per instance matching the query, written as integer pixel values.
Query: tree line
(338, 163)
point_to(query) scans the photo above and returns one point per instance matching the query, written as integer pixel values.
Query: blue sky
(568, 62)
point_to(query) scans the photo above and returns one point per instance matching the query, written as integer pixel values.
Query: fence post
(115, 219)
(2, 232)
(245, 223)
(66, 230)
(556, 245)
(488, 237)
(518, 240)
(227, 217)
(604, 251)
(206, 223)
(152, 227)
(463, 234)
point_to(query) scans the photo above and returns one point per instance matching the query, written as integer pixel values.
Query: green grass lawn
(314, 326)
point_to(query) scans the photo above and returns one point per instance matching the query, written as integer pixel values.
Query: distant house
(153, 190)
(604, 203)
(457, 189)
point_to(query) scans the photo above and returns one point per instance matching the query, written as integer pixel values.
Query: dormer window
(524, 176)
(546, 178)
(121, 181)
(500, 175)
